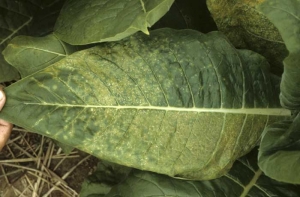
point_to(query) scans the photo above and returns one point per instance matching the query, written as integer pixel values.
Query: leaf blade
(30, 54)
(279, 152)
(164, 71)
(285, 15)
(17, 17)
(114, 21)
(244, 179)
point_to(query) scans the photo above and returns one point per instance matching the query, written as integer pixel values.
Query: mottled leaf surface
(247, 28)
(244, 179)
(30, 54)
(286, 17)
(165, 103)
(87, 21)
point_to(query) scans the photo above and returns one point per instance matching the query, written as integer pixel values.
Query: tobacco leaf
(180, 103)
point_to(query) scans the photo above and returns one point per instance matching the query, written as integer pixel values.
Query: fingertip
(2, 99)
(5, 131)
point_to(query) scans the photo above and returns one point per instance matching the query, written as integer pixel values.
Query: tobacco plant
(180, 107)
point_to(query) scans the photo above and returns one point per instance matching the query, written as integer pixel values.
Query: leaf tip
(145, 31)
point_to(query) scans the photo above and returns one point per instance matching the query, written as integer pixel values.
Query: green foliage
(20, 18)
(175, 102)
(30, 54)
(244, 179)
(280, 148)
(106, 176)
(279, 151)
(285, 16)
(7, 72)
(154, 103)
(245, 27)
(114, 20)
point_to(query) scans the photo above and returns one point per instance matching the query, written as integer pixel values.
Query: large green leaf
(244, 179)
(279, 154)
(30, 54)
(179, 103)
(285, 16)
(89, 21)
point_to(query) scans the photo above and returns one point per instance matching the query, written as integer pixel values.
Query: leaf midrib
(257, 111)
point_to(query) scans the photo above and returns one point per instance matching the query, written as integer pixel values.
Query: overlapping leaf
(247, 28)
(191, 14)
(31, 54)
(280, 152)
(103, 179)
(165, 103)
(285, 16)
(15, 19)
(88, 21)
(244, 179)
(44, 19)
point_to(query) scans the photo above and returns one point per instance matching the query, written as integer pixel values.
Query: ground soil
(30, 165)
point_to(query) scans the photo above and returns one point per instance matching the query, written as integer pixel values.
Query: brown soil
(33, 165)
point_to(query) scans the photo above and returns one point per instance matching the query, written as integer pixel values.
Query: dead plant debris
(33, 165)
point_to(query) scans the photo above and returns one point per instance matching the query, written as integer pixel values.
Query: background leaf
(244, 179)
(103, 179)
(279, 152)
(247, 28)
(31, 54)
(152, 102)
(78, 24)
(285, 16)
(14, 20)
(7, 72)
(17, 18)
(44, 18)
(192, 14)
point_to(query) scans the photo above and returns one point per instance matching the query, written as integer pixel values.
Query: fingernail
(1, 95)
(1, 99)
